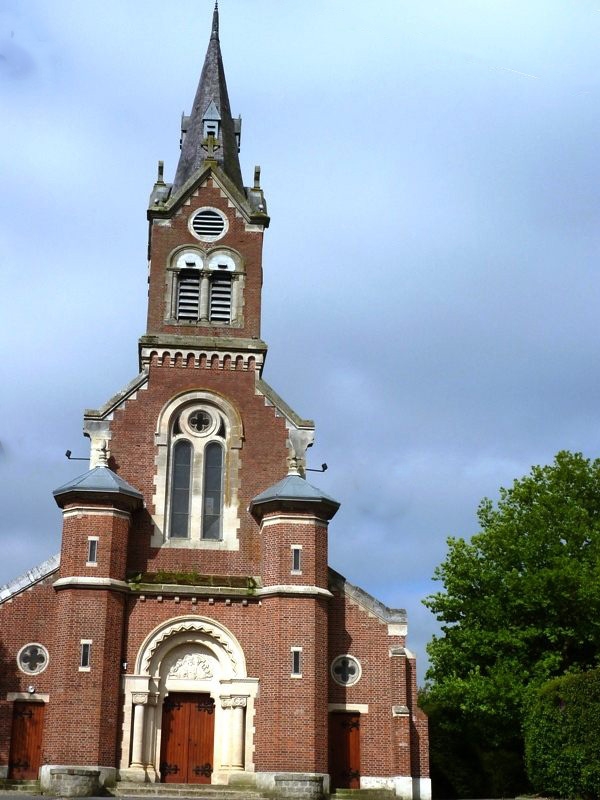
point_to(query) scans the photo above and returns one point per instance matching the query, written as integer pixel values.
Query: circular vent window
(208, 224)
(32, 659)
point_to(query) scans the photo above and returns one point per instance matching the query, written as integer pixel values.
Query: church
(190, 631)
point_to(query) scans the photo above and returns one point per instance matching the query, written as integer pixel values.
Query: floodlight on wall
(323, 469)
(74, 458)
(31, 689)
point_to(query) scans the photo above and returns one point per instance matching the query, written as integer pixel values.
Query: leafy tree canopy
(521, 600)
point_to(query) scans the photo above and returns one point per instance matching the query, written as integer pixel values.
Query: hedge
(561, 729)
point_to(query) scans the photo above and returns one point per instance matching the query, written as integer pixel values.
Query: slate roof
(100, 480)
(211, 94)
(296, 491)
(30, 578)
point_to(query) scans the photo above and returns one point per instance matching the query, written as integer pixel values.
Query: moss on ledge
(163, 577)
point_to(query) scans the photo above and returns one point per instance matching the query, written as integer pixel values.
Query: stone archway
(199, 656)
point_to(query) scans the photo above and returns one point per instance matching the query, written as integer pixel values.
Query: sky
(431, 285)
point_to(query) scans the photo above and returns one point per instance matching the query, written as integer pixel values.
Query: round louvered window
(32, 659)
(208, 224)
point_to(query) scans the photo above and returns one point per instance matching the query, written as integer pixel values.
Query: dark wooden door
(26, 741)
(344, 750)
(187, 738)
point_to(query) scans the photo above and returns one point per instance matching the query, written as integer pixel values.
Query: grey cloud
(16, 63)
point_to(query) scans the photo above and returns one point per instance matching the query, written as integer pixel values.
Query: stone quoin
(191, 630)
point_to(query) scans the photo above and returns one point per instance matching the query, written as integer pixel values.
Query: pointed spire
(215, 23)
(210, 132)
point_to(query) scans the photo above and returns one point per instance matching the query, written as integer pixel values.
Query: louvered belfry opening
(220, 298)
(188, 294)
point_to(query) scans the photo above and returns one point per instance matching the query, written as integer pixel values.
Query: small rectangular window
(296, 662)
(85, 658)
(297, 559)
(92, 558)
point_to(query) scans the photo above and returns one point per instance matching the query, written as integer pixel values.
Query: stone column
(236, 706)
(237, 732)
(150, 733)
(204, 295)
(235, 298)
(137, 748)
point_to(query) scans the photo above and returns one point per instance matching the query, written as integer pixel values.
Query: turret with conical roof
(210, 132)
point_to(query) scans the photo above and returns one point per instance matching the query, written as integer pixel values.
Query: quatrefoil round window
(199, 422)
(32, 659)
(345, 670)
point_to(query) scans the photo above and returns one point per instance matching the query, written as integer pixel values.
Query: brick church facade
(190, 630)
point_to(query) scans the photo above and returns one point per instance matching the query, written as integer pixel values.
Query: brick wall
(110, 525)
(81, 723)
(166, 236)
(28, 617)
(279, 534)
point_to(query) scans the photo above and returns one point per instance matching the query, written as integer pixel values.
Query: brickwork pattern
(279, 534)
(28, 617)
(133, 454)
(385, 740)
(112, 529)
(82, 714)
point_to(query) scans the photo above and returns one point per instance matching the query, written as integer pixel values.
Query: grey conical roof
(100, 481)
(294, 491)
(211, 96)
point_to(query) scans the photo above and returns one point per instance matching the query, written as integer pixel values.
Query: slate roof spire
(215, 23)
(210, 133)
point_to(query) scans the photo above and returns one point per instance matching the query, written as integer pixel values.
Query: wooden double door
(187, 738)
(344, 750)
(26, 741)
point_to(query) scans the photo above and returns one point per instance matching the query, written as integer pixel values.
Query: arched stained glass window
(212, 507)
(180, 489)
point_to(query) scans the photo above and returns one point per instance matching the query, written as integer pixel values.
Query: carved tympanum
(192, 666)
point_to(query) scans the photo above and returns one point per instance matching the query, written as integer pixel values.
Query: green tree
(520, 605)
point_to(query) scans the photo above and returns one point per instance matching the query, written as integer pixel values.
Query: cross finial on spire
(215, 25)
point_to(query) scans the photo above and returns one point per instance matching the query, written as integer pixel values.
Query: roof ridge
(29, 578)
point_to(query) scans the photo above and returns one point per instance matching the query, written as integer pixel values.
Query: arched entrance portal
(187, 706)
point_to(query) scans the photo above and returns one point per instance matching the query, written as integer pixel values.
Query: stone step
(208, 791)
(11, 786)
(363, 794)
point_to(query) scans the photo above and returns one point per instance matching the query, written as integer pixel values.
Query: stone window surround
(233, 444)
(198, 443)
(296, 554)
(85, 655)
(207, 258)
(94, 562)
(333, 673)
(208, 238)
(296, 665)
(29, 673)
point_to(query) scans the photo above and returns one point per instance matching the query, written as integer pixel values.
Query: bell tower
(205, 234)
